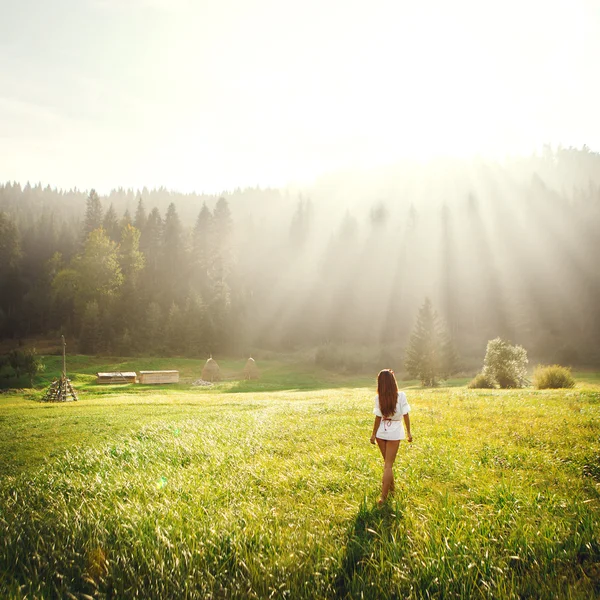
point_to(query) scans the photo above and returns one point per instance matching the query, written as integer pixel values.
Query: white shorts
(390, 430)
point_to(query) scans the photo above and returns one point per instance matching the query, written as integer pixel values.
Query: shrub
(20, 362)
(32, 364)
(552, 377)
(6, 372)
(505, 364)
(509, 381)
(482, 381)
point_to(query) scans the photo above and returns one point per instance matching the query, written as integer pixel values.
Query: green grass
(268, 489)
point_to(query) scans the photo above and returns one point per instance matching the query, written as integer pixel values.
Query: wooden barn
(117, 377)
(159, 377)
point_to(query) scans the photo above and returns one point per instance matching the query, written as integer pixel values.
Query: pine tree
(10, 251)
(221, 241)
(125, 220)
(110, 224)
(131, 259)
(11, 288)
(430, 355)
(222, 218)
(173, 264)
(139, 221)
(12, 283)
(201, 242)
(67, 243)
(172, 239)
(93, 214)
(151, 240)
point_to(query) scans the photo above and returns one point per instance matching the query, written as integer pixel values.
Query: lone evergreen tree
(430, 354)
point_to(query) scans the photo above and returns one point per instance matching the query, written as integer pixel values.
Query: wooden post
(64, 373)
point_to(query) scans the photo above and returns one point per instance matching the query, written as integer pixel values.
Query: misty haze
(238, 239)
(500, 249)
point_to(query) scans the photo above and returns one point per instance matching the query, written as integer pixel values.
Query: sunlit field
(268, 489)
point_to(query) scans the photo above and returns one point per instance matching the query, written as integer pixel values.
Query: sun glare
(268, 93)
(397, 83)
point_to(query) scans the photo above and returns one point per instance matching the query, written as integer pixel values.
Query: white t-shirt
(391, 428)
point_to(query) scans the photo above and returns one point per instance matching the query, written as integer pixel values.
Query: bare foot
(380, 502)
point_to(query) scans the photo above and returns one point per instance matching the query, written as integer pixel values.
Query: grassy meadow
(268, 489)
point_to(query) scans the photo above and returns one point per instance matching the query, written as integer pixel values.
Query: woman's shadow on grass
(366, 538)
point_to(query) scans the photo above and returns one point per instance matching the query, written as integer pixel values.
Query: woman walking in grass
(391, 408)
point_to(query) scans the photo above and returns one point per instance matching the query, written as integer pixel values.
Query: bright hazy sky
(207, 96)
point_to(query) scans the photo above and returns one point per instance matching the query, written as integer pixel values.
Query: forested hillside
(507, 249)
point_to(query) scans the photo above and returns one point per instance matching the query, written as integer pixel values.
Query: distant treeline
(505, 250)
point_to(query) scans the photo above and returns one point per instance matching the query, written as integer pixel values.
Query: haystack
(251, 370)
(211, 371)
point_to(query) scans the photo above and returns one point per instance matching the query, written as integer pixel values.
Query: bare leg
(382, 447)
(381, 444)
(391, 449)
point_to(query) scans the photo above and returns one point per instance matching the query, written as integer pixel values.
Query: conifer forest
(506, 248)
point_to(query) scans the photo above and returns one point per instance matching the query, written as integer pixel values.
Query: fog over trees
(505, 249)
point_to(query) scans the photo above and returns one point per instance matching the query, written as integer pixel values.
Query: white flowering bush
(505, 364)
